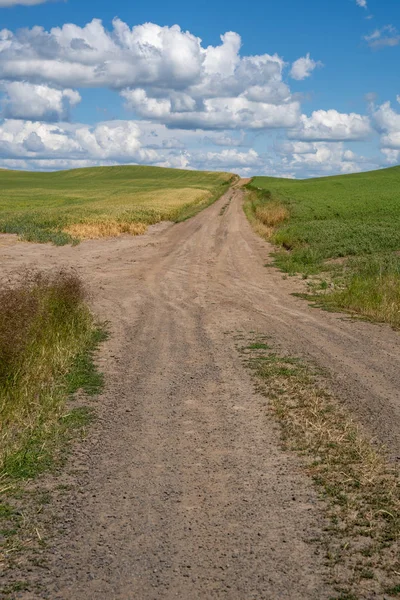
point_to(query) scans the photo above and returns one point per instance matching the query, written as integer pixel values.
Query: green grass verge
(361, 489)
(346, 228)
(54, 337)
(368, 287)
(43, 447)
(65, 206)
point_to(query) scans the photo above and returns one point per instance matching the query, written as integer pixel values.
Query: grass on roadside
(361, 488)
(264, 212)
(67, 206)
(46, 336)
(345, 228)
(368, 287)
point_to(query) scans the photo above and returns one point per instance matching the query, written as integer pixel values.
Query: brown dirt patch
(8, 239)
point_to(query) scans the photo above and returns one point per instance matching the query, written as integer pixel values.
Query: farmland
(64, 207)
(345, 227)
(205, 351)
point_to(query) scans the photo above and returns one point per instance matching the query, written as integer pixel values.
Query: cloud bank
(186, 104)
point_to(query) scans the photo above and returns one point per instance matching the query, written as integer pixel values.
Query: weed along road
(182, 489)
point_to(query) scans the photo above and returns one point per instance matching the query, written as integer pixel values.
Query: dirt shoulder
(182, 490)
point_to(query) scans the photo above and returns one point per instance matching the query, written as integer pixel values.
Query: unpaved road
(181, 489)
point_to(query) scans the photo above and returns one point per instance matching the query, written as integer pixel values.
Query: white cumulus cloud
(118, 140)
(163, 73)
(387, 123)
(215, 113)
(303, 67)
(40, 145)
(91, 56)
(320, 158)
(391, 156)
(37, 102)
(330, 125)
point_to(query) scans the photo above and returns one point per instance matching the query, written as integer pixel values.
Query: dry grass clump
(44, 324)
(101, 229)
(262, 230)
(362, 489)
(264, 213)
(271, 214)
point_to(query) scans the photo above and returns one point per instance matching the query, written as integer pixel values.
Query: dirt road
(181, 489)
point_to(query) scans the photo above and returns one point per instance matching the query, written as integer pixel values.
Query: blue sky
(288, 88)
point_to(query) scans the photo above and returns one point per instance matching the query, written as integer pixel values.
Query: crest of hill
(133, 174)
